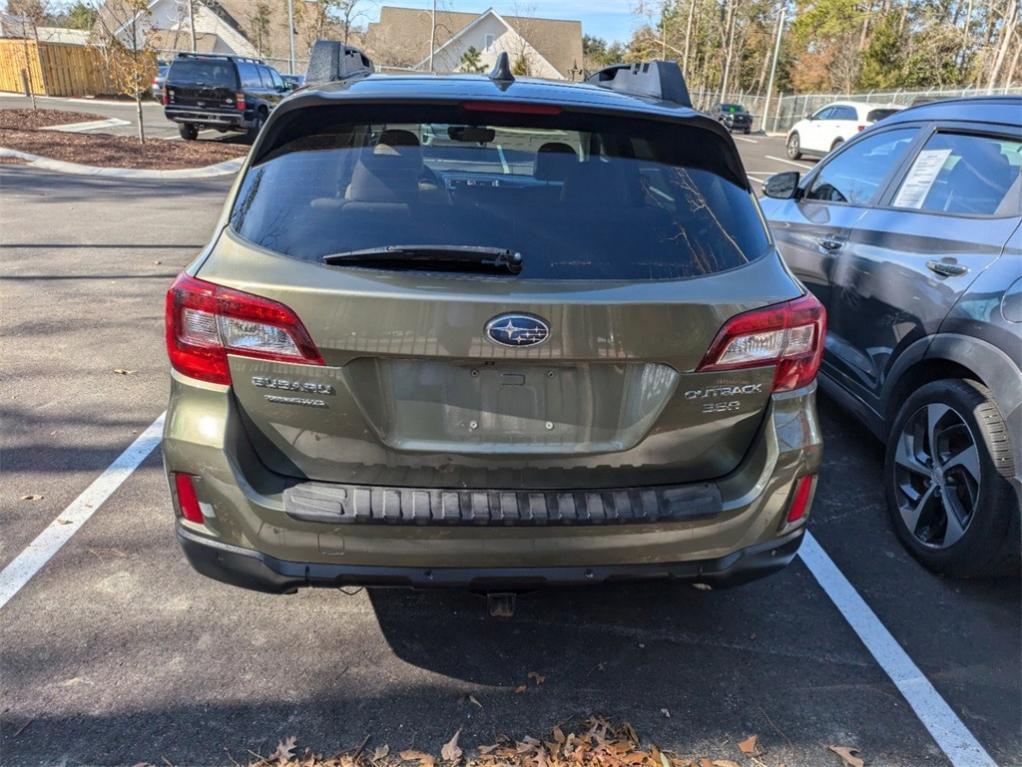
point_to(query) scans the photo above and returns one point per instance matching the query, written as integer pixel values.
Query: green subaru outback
(490, 333)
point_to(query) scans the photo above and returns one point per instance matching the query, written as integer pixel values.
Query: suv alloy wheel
(948, 457)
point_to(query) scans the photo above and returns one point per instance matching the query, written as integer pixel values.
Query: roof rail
(331, 61)
(224, 56)
(657, 79)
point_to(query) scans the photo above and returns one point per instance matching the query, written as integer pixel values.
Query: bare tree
(30, 14)
(126, 43)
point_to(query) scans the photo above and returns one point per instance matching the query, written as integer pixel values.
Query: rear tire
(747, 131)
(257, 125)
(188, 131)
(794, 147)
(946, 478)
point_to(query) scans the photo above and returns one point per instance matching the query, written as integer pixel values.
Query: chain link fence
(778, 114)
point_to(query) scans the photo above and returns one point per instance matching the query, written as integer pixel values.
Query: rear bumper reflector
(337, 503)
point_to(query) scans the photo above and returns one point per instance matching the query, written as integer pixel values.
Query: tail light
(239, 100)
(166, 97)
(800, 500)
(206, 322)
(862, 128)
(187, 500)
(789, 335)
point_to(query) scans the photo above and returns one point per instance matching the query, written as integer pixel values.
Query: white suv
(832, 125)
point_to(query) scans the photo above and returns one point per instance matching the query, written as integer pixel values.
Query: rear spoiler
(331, 62)
(656, 79)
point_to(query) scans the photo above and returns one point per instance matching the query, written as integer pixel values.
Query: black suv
(734, 116)
(222, 92)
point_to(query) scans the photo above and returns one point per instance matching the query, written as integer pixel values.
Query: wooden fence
(54, 69)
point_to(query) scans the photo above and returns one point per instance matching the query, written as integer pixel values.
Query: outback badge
(517, 330)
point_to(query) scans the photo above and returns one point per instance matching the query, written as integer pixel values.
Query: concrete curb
(228, 167)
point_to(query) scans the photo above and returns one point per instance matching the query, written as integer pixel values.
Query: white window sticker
(920, 178)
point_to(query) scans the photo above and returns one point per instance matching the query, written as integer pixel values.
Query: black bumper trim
(361, 504)
(260, 572)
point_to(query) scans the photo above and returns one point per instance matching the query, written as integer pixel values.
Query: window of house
(488, 42)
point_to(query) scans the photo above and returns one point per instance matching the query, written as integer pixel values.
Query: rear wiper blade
(443, 258)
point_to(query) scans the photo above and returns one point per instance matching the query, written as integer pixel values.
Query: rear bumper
(235, 120)
(261, 572)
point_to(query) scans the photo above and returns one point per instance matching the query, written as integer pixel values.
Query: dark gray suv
(910, 236)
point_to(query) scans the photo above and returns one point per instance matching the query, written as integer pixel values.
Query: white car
(829, 127)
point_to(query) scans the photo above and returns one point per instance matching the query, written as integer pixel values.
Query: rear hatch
(499, 299)
(204, 83)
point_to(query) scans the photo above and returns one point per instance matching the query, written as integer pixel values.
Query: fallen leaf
(702, 586)
(521, 688)
(62, 521)
(124, 372)
(381, 752)
(725, 763)
(424, 760)
(537, 678)
(748, 746)
(285, 750)
(558, 734)
(704, 762)
(472, 699)
(450, 751)
(665, 712)
(31, 497)
(848, 755)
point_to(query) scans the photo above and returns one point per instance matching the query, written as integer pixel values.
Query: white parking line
(59, 531)
(789, 162)
(91, 125)
(747, 140)
(951, 734)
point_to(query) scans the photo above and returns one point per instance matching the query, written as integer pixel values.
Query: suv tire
(946, 480)
(188, 131)
(794, 147)
(257, 125)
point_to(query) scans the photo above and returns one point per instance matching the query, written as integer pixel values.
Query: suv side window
(844, 113)
(823, 114)
(264, 75)
(277, 82)
(854, 176)
(249, 75)
(966, 175)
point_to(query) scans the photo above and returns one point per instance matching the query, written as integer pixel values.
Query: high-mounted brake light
(789, 335)
(206, 322)
(861, 128)
(512, 107)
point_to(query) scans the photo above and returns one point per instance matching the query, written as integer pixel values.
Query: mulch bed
(106, 150)
(28, 119)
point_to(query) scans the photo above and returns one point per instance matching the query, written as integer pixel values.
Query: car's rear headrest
(388, 171)
(554, 161)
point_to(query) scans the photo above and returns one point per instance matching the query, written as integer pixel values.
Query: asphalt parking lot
(116, 652)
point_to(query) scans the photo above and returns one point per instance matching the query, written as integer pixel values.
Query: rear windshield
(211, 72)
(579, 196)
(876, 115)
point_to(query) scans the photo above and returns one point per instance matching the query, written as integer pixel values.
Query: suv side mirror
(782, 186)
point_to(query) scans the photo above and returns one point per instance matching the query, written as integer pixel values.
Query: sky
(610, 19)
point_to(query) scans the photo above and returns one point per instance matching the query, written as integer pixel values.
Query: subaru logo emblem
(517, 330)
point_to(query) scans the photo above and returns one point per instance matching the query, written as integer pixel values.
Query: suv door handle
(828, 244)
(945, 269)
